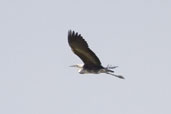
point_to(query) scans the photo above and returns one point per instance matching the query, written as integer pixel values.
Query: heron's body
(91, 70)
(92, 64)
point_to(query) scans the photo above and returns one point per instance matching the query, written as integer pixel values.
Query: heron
(92, 64)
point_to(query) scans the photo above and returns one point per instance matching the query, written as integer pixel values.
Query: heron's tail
(109, 67)
(109, 71)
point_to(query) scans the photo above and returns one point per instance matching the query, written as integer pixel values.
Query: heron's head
(77, 66)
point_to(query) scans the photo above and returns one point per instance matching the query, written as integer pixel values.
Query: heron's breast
(88, 71)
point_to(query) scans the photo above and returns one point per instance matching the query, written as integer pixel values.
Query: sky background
(34, 56)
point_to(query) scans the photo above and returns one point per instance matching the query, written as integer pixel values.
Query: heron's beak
(72, 66)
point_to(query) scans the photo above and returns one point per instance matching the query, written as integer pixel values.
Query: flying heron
(92, 63)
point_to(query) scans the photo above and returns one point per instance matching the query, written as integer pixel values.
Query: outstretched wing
(80, 47)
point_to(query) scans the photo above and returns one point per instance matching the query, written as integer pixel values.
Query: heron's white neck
(78, 65)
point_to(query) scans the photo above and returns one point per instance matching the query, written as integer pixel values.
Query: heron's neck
(80, 65)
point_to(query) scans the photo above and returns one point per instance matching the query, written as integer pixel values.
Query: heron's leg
(119, 76)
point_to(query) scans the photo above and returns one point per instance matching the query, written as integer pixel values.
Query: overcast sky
(34, 56)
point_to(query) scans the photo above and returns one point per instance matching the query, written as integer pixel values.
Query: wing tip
(70, 32)
(73, 34)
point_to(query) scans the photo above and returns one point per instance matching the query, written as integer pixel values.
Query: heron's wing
(80, 47)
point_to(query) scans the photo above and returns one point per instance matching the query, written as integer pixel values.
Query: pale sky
(34, 56)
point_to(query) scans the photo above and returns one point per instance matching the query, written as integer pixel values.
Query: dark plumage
(80, 48)
(92, 63)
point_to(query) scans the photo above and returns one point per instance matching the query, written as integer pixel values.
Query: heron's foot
(119, 76)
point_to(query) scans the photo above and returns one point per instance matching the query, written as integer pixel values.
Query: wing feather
(80, 47)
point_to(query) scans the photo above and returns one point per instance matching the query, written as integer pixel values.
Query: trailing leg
(119, 76)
